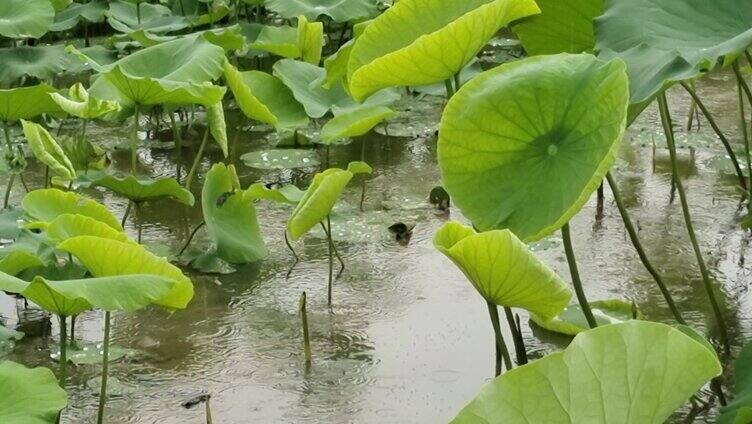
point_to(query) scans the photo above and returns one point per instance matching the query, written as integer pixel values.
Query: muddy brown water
(408, 339)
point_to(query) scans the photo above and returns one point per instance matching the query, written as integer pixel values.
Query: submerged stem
(576, 282)
(501, 346)
(668, 129)
(519, 342)
(105, 367)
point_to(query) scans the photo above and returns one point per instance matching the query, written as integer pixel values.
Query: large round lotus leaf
(281, 159)
(637, 372)
(561, 27)
(279, 40)
(16, 261)
(29, 395)
(25, 18)
(27, 102)
(111, 258)
(153, 91)
(93, 12)
(523, 146)
(81, 105)
(47, 151)
(68, 226)
(338, 10)
(355, 123)
(47, 204)
(265, 98)
(503, 270)
(123, 17)
(572, 321)
(420, 42)
(231, 217)
(141, 190)
(739, 410)
(41, 62)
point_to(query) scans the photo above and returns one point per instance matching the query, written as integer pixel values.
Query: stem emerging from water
(742, 86)
(576, 282)
(63, 351)
(331, 259)
(134, 141)
(176, 134)
(668, 129)
(519, 342)
(105, 367)
(501, 346)
(199, 154)
(306, 336)
(449, 88)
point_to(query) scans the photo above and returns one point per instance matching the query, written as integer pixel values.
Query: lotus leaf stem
(362, 159)
(519, 341)
(178, 145)
(84, 123)
(63, 350)
(8, 189)
(668, 129)
(105, 367)
(576, 282)
(199, 155)
(742, 86)
(190, 237)
(73, 329)
(502, 353)
(692, 109)
(208, 411)
(718, 132)
(306, 335)
(457, 82)
(336, 252)
(449, 88)
(640, 250)
(331, 260)
(134, 141)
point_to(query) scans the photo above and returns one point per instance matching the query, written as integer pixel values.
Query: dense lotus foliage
(523, 144)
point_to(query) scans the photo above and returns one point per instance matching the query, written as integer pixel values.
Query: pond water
(408, 340)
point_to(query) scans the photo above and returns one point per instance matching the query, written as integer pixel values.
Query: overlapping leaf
(29, 395)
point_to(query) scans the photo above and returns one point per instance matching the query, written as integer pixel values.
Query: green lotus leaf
(83, 154)
(561, 27)
(27, 102)
(47, 151)
(499, 142)
(29, 250)
(59, 5)
(633, 372)
(146, 189)
(572, 321)
(231, 217)
(359, 167)
(81, 105)
(41, 62)
(338, 10)
(355, 123)
(68, 226)
(739, 410)
(420, 42)
(98, 54)
(281, 159)
(336, 65)
(110, 258)
(17, 261)
(279, 40)
(75, 13)
(123, 17)
(72, 297)
(265, 98)
(29, 395)
(310, 40)
(287, 193)
(25, 18)
(9, 223)
(47, 204)
(318, 200)
(215, 117)
(229, 38)
(8, 339)
(503, 270)
(473, 69)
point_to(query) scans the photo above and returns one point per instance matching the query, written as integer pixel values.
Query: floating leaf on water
(281, 159)
(209, 263)
(115, 386)
(572, 321)
(91, 353)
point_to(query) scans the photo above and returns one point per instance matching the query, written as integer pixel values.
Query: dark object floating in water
(402, 232)
(439, 198)
(190, 403)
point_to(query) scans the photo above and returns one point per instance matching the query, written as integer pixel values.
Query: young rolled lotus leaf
(265, 98)
(47, 204)
(25, 18)
(111, 258)
(420, 42)
(355, 123)
(739, 410)
(339, 11)
(561, 27)
(127, 17)
(215, 117)
(615, 373)
(336, 65)
(281, 159)
(27, 102)
(81, 105)
(503, 270)
(68, 226)
(47, 151)
(310, 40)
(145, 189)
(231, 217)
(278, 40)
(29, 395)
(320, 197)
(498, 143)
(572, 321)
(287, 193)
(76, 13)
(41, 62)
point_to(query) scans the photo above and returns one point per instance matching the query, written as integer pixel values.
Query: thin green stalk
(501, 346)
(336, 251)
(362, 159)
(640, 250)
(576, 282)
(105, 367)
(719, 133)
(449, 88)
(208, 411)
(306, 335)
(457, 82)
(331, 260)
(63, 351)
(742, 86)
(519, 341)
(12, 176)
(199, 154)
(134, 141)
(73, 329)
(692, 107)
(190, 237)
(84, 123)
(669, 130)
(178, 146)
(125, 215)
(139, 223)
(8, 189)
(138, 13)
(6, 131)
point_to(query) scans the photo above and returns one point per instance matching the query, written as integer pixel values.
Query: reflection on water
(408, 339)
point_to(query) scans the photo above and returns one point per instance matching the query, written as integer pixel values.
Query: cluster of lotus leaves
(503, 270)
(420, 42)
(635, 372)
(29, 395)
(523, 146)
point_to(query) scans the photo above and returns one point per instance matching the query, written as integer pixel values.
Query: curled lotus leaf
(310, 40)
(81, 105)
(287, 193)
(47, 151)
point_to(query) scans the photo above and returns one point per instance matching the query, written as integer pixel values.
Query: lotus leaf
(287, 193)
(511, 160)
(25, 18)
(141, 190)
(16, 261)
(338, 10)
(92, 11)
(229, 38)
(29, 395)
(107, 258)
(503, 270)
(739, 410)
(27, 102)
(68, 226)
(123, 17)
(83, 154)
(47, 204)
(310, 40)
(420, 42)
(561, 27)
(81, 105)
(355, 123)
(572, 321)
(264, 98)
(47, 151)
(281, 159)
(41, 62)
(59, 5)
(215, 116)
(633, 372)
(336, 65)
(231, 217)
(279, 40)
